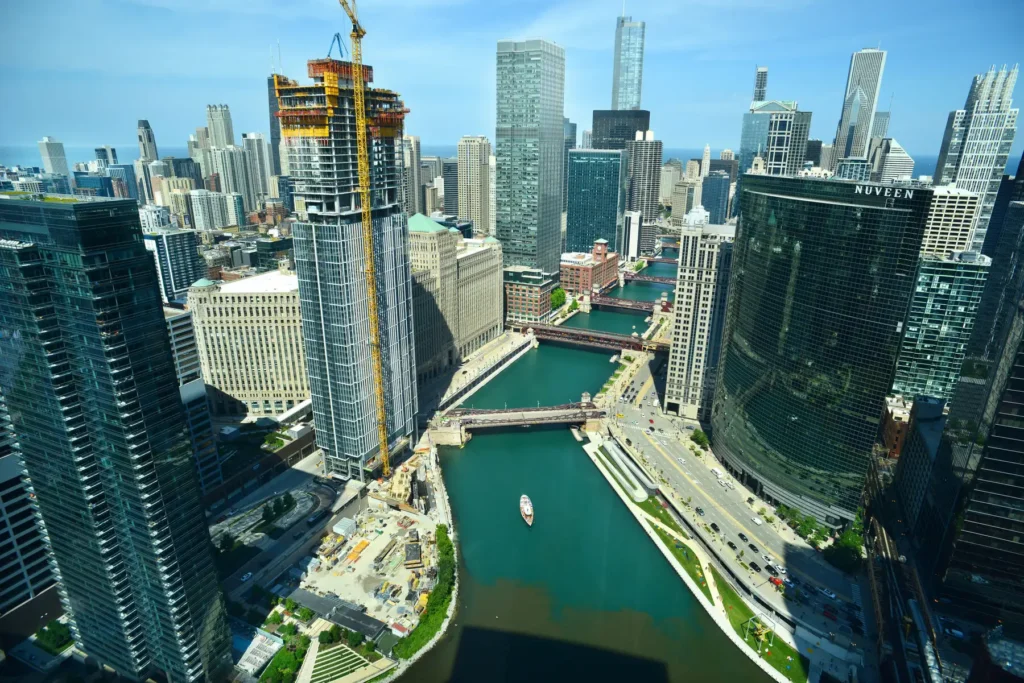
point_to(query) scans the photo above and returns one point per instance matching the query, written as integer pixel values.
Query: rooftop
(173, 312)
(420, 223)
(272, 282)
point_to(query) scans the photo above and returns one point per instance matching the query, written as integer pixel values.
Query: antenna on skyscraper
(273, 67)
(280, 66)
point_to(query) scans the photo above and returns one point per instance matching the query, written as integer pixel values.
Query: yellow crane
(363, 164)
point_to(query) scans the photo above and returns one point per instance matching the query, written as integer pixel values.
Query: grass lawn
(653, 507)
(335, 662)
(784, 658)
(689, 561)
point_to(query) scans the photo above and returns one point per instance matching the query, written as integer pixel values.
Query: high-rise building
(569, 129)
(330, 261)
(154, 217)
(726, 155)
(147, 142)
(597, 198)
(939, 322)
(628, 66)
(529, 146)
(88, 377)
(686, 195)
(413, 202)
(888, 161)
(776, 131)
(822, 276)
(730, 167)
(952, 216)
(1011, 189)
(275, 127)
(705, 162)
(714, 196)
(474, 175)
(218, 123)
(106, 154)
(126, 174)
(193, 396)
(880, 124)
(92, 185)
(615, 129)
(1005, 287)
(645, 154)
(281, 188)
(178, 263)
(528, 294)
(185, 168)
(252, 358)
(236, 208)
(164, 186)
(761, 84)
(430, 168)
(492, 183)
(259, 165)
(234, 167)
(812, 152)
(588, 139)
(863, 83)
(54, 161)
(632, 222)
(977, 140)
(450, 174)
(670, 175)
(705, 255)
(209, 210)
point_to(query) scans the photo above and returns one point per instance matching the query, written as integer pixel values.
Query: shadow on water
(490, 655)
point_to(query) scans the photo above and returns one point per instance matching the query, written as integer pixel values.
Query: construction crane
(363, 165)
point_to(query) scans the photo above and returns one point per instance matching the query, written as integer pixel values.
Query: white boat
(526, 509)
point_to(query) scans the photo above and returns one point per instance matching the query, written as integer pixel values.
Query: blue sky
(85, 71)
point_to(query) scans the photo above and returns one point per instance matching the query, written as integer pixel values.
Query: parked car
(757, 520)
(715, 527)
(753, 565)
(730, 485)
(829, 615)
(731, 545)
(789, 583)
(771, 570)
(700, 511)
(827, 593)
(766, 558)
(752, 547)
(743, 537)
(246, 576)
(750, 501)
(721, 482)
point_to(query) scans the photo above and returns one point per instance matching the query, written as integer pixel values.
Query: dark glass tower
(90, 387)
(275, 127)
(715, 197)
(822, 276)
(613, 129)
(597, 198)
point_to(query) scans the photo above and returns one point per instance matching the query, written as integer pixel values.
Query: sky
(86, 71)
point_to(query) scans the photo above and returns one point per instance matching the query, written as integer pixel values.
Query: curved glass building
(822, 276)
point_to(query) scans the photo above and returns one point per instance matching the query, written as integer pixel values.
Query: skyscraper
(977, 141)
(569, 129)
(474, 182)
(705, 162)
(777, 132)
(952, 216)
(234, 167)
(714, 197)
(760, 84)
(54, 161)
(106, 154)
(218, 122)
(90, 388)
(209, 210)
(616, 129)
(863, 83)
(880, 124)
(450, 175)
(411, 175)
(259, 165)
(329, 260)
(126, 174)
(822, 276)
(147, 142)
(529, 146)
(597, 180)
(889, 161)
(588, 139)
(178, 263)
(628, 67)
(645, 155)
(275, 127)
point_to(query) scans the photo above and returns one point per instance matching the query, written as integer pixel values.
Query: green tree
(573, 305)
(355, 638)
(557, 297)
(289, 501)
(305, 614)
(325, 638)
(699, 438)
(845, 553)
(288, 630)
(808, 525)
(291, 605)
(268, 513)
(336, 632)
(370, 646)
(762, 511)
(275, 617)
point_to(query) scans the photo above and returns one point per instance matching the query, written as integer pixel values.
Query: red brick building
(583, 273)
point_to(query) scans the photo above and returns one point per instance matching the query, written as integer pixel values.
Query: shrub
(845, 553)
(54, 637)
(304, 614)
(354, 638)
(557, 297)
(275, 617)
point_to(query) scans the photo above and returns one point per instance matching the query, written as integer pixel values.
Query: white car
(827, 593)
(767, 559)
(246, 576)
(757, 520)
(730, 485)
(779, 568)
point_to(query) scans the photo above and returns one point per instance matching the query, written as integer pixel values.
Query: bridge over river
(638, 277)
(568, 413)
(608, 341)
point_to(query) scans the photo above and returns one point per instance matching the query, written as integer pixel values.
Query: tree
(227, 542)
(291, 605)
(305, 614)
(325, 638)
(689, 499)
(557, 297)
(769, 519)
(268, 513)
(762, 511)
(807, 526)
(354, 638)
(275, 617)
(289, 501)
(700, 438)
(278, 506)
(845, 553)
(288, 630)
(336, 632)
(574, 305)
(370, 646)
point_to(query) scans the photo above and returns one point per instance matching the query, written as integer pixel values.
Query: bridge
(595, 339)
(661, 259)
(636, 277)
(569, 413)
(624, 304)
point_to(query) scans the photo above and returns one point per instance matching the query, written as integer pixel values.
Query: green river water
(583, 595)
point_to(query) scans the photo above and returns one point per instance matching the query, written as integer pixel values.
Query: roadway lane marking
(643, 392)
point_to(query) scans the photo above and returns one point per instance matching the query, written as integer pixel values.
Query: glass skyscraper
(628, 69)
(776, 131)
(714, 196)
(320, 139)
(91, 391)
(615, 129)
(597, 198)
(863, 83)
(822, 276)
(529, 150)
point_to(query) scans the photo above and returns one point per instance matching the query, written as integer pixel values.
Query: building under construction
(318, 126)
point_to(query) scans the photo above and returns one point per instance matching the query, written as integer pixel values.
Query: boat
(576, 433)
(526, 509)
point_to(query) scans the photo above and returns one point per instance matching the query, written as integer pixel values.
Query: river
(582, 595)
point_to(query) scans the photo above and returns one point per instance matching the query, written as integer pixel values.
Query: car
(721, 483)
(752, 547)
(246, 576)
(827, 593)
(771, 570)
(690, 427)
(829, 615)
(731, 545)
(766, 558)
(782, 570)
(681, 461)
(757, 520)
(750, 501)
(789, 583)
(715, 527)
(753, 565)
(700, 511)
(743, 537)
(731, 485)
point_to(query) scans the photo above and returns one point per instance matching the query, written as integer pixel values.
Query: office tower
(329, 259)
(727, 166)
(813, 328)
(777, 132)
(853, 168)
(880, 124)
(178, 263)
(474, 175)
(281, 188)
(275, 127)
(88, 376)
(218, 123)
(812, 152)
(106, 154)
(236, 209)
(528, 152)
(569, 129)
(597, 198)
(153, 217)
(492, 183)
(259, 163)
(590, 271)
(918, 457)
(126, 174)
(588, 140)
(714, 196)
(726, 155)
(147, 142)
(645, 154)
(628, 65)
(435, 296)
(430, 168)
(952, 217)
(686, 194)
(142, 181)
(192, 389)
(705, 255)
(480, 293)
(52, 151)
(212, 182)
(632, 222)
(827, 155)
(670, 175)
(761, 84)
(164, 186)
(705, 163)
(90, 185)
(616, 129)
(977, 140)
(939, 323)
(252, 358)
(1011, 189)
(888, 161)
(234, 167)
(859, 103)
(413, 203)
(1004, 289)
(185, 168)
(450, 174)
(209, 210)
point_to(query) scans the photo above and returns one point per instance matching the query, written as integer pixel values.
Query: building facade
(587, 273)
(952, 217)
(178, 263)
(569, 130)
(527, 294)
(761, 84)
(218, 123)
(234, 167)
(714, 196)
(615, 129)
(259, 165)
(776, 131)
(889, 161)
(90, 390)
(628, 65)
(863, 83)
(529, 146)
(450, 174)
(209, 210)
(413, 201)
(147, 142)
(597, 181)
(645, 155)
(275, 128)
(813, 328)
(474, 191)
